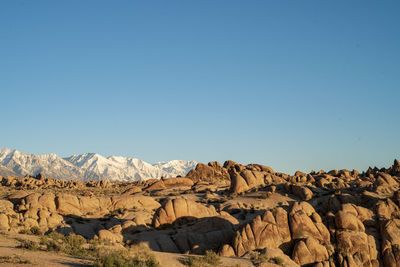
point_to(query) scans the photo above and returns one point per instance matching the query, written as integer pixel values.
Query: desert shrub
(15, 259)
(277, 261)
(257, 258)
(34, 230)
(123, 259)
(56, 236)
(30, 245)
(210, 259)
(71, 244)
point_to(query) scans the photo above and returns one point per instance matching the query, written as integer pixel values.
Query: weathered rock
(305, 222)
(4, 225)
(269, 230)
(277, 255)
(132, 190)
(110, 236)
(227, 251)
(174, 182)
(159, 185)
(388, 213)
(356, 249)
(302, 192)
(309, 251)
(177, 208)
(205, 234)
(246, 178)
(348, 221)
(68, 204)
(210, 173)
(6, 207)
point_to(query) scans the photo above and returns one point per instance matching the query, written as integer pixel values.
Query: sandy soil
(10, 255)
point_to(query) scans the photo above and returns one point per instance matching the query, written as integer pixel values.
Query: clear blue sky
(290, 84)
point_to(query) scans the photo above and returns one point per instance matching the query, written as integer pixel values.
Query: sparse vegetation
(15, 259)
(32, 231)
(210, 259)
(277, 260)
(118, 259)
(30, 245)
(138, 255)
(257, 258)
(71, 244)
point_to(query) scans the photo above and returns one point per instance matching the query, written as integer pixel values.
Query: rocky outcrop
(178, 183)
(276, 257)
(389, 213)
(180, 208)
(211, 172)
(47, 210)
(306, 222)
(310, 235)
(244, 178)
(309, 251)
(354, 246)
(302, 192)
(269, 230)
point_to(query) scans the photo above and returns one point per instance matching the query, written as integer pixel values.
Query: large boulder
(246, 178)
(210, 173)
(309, 251)
(348, 221)
(110, 236)
(276, 257)
(178, 182)
(4, 223)
(174, 209)
(388, 213)
(269, 230)
(302, 192)
(355, 247)
(305, 222)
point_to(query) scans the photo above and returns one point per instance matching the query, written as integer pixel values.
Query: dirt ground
(11, 255)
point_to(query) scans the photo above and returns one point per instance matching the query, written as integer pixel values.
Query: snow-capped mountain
(89, 166)
(116, 168)
(49, 165)
(176, 167)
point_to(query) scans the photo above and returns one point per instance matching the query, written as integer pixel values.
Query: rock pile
(318, 219)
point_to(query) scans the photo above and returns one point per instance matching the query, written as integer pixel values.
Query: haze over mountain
(89, 166)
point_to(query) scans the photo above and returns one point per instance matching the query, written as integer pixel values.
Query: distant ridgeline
(89, 166)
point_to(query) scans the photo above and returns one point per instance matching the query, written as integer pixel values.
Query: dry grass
(210, 259)
(138, 255)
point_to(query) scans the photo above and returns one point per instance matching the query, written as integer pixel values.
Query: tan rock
(210, 173)
(305, 222)
(4, 225)
(227, 251)
(309, 251)
(132, 190)
(348, 221)
(68, 204)
(110, 236)
(174, 182)
(277, 255)
(269, 230)
(356, 249)
(174, 209)
(302, 192)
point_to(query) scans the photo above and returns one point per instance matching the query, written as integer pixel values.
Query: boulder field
(320, 219)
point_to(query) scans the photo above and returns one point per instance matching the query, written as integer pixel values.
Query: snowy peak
(89, 166)
(176, 167)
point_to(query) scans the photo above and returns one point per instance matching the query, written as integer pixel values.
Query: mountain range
(89, 166)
